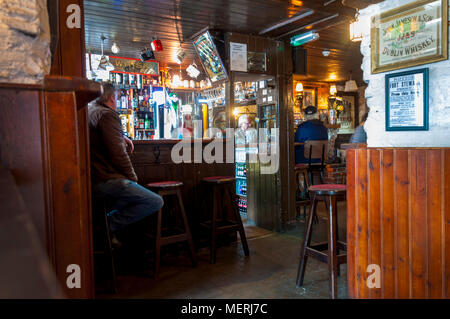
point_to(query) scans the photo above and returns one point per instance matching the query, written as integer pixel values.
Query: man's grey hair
(108, 91)
(310, 117)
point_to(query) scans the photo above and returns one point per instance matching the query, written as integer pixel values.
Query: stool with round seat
(221, 187)
(329, 193)
(165, 189)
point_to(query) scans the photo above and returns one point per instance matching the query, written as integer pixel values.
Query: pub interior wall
(25, 37)
(438, 134)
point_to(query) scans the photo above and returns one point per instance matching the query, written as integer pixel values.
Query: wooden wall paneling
(71, 218)
(374, 214)
(404, 207)
(402, 194)
(435, 236)
(445, 189)
(418, 223)
(388, 261)
(351, 223)
(20, 148)
(361, 223)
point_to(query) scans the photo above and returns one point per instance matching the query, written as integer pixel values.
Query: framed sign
(407, 101)
(348, 117)
(130, 65)
(410, 35)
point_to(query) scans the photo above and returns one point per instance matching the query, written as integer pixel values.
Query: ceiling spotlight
(180, 55)
(115, 48)
(326, 52)
(192, 70)
(147, 54)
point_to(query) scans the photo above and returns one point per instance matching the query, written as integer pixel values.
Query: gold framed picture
(410, 35)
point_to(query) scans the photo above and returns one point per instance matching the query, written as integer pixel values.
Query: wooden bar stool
(221, 187)
(329, 193)
(165, 189)
(301, 171)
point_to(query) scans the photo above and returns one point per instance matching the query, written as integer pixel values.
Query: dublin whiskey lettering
(413, 49)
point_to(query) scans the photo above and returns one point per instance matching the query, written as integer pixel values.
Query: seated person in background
(360, 135)
(312, 129)
(111, 169)
(245, 134)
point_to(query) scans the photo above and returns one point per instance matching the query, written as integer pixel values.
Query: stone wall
(25, 41)
(438, 134)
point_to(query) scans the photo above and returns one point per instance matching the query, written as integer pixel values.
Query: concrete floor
(269, 272)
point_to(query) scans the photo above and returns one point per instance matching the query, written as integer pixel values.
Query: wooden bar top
(174, 141)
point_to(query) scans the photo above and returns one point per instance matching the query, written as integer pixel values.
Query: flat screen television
(210, 58)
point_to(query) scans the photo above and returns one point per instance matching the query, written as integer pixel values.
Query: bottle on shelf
(147, 122)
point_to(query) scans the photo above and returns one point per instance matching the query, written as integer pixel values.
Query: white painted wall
(439, 102)
(24, 41)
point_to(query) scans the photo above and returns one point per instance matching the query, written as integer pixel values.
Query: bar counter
(152, 162)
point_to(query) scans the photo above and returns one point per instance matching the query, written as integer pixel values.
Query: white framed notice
(238, 57)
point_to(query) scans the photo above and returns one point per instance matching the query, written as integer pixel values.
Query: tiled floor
(269, 272)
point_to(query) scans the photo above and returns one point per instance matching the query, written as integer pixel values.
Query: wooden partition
(152, 162)
(45, 146)
(398, 217)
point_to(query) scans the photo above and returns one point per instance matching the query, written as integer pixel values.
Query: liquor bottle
(147, 122)
(126, 80)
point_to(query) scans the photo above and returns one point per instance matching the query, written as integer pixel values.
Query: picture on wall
(407, 101)
(410, 35)
(309, 97)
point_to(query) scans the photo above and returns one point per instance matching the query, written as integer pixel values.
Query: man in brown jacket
(111, 169)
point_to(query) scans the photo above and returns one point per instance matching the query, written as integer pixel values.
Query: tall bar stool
(218, 224)
(102, 237)
(329, 193)
(174, 235)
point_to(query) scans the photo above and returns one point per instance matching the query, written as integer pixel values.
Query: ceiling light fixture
(192, 70)
(299, 87)
(304, 38)
(326, 52)
(333, 89)
(115, 48)
(156, 45)
(350, 85)
(180, 55)
(356, 29)
(104, 61)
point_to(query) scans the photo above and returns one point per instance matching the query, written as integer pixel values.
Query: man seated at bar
(112, 173)
(360, 135)
(312, 129)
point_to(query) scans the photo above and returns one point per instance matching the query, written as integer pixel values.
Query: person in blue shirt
(312, 129)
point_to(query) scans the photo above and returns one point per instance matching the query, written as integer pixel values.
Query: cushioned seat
(328, 187)
(164, 184)
(301, 166)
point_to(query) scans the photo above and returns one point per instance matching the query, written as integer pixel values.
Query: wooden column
(69, 58)
(398, 217)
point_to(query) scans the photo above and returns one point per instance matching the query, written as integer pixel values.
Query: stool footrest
(324, 245)
(173, 239)
(323, 257)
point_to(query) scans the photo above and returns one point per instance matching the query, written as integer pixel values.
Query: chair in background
(316, 150)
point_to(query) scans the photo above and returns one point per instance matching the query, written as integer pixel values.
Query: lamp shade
(350, 86)
(157, 45)
(299, 87)
(333, 89)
